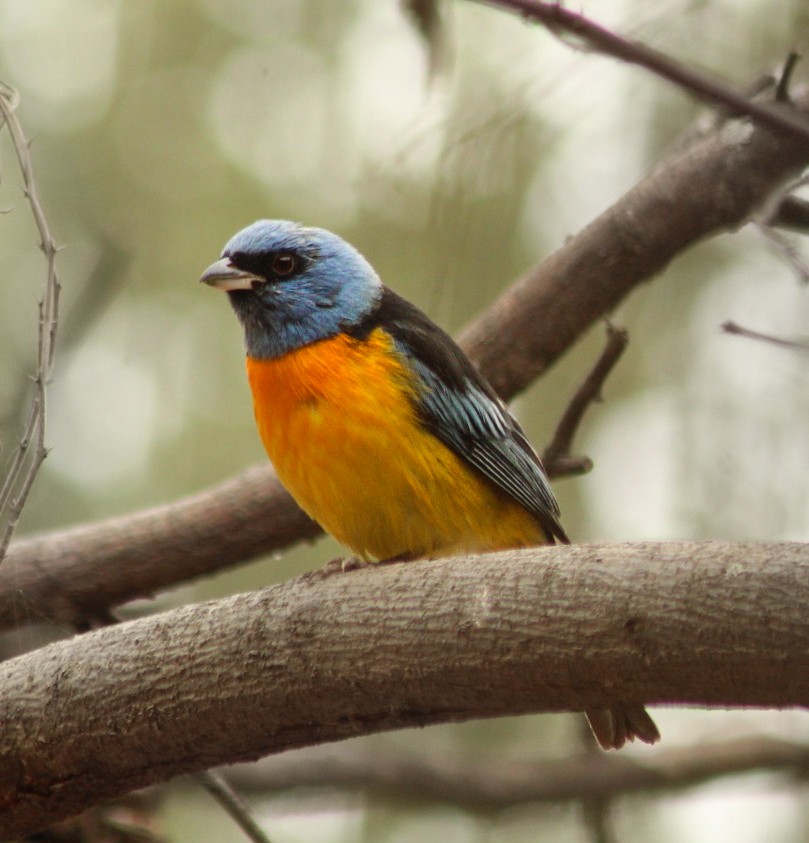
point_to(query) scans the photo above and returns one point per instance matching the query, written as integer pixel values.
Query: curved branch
(714, 184)
(325, 657)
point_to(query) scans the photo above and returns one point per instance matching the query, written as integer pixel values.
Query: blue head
(291, 286)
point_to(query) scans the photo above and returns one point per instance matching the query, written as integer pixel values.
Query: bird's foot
(343, 564)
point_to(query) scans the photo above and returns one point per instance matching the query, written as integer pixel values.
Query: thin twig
(786, 210)
(556, 457)
(239, 811)
(31, 450)
(731, 327)
(561, 20)
(787, 250)
(785, 79)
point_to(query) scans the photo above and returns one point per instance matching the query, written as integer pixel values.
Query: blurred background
(454, 164)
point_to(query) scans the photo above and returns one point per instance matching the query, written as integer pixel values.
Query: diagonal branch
(715, 184)
(731, 327)
(557, 457)
(232, 803)
(321, 658)
(74, 576)
(560, 20)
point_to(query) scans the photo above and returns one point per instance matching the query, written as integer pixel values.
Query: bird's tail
(613, 727)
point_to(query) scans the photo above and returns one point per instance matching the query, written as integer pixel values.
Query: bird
(377, 423)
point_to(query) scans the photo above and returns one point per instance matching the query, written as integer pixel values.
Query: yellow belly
(337, 421)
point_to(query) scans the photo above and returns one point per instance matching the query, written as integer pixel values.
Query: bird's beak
(225, 277)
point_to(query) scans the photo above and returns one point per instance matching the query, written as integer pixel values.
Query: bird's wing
(462, 410)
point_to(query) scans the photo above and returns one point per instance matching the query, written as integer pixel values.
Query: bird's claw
(342, 565)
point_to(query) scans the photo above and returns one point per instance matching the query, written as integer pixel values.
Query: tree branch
(400, 777)
(31, 451)
(557, 454)
(75, 575)
(731, 327)
(545, 629)
(560, 20)
(716, 183)
(792, 213)
(230, 801)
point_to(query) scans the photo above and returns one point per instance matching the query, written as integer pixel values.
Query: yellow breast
(339, 423)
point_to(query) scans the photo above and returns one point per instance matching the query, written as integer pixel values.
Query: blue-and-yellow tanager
(376, 422)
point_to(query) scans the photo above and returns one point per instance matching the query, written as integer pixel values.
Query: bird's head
(291, 285)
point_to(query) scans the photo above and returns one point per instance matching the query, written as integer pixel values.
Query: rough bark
(713, 184)
(326, 657)
(74, 576)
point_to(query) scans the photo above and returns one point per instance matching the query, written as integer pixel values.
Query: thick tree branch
(713, 185)
(326, 657)
(74, 575)
(406, 778)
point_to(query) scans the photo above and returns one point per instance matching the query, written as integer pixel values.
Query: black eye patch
(274, 266)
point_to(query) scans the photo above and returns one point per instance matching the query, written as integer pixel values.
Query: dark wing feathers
(463, 411)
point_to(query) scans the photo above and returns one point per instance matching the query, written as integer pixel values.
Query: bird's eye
(284, 264)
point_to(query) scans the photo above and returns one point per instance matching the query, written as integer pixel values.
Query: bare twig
(557, 455)
(731, 327)
(31, 450)
(785, 79)
(787, 250)
(681, 201)
(558, 20)
(222, 791)
(786, 210)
